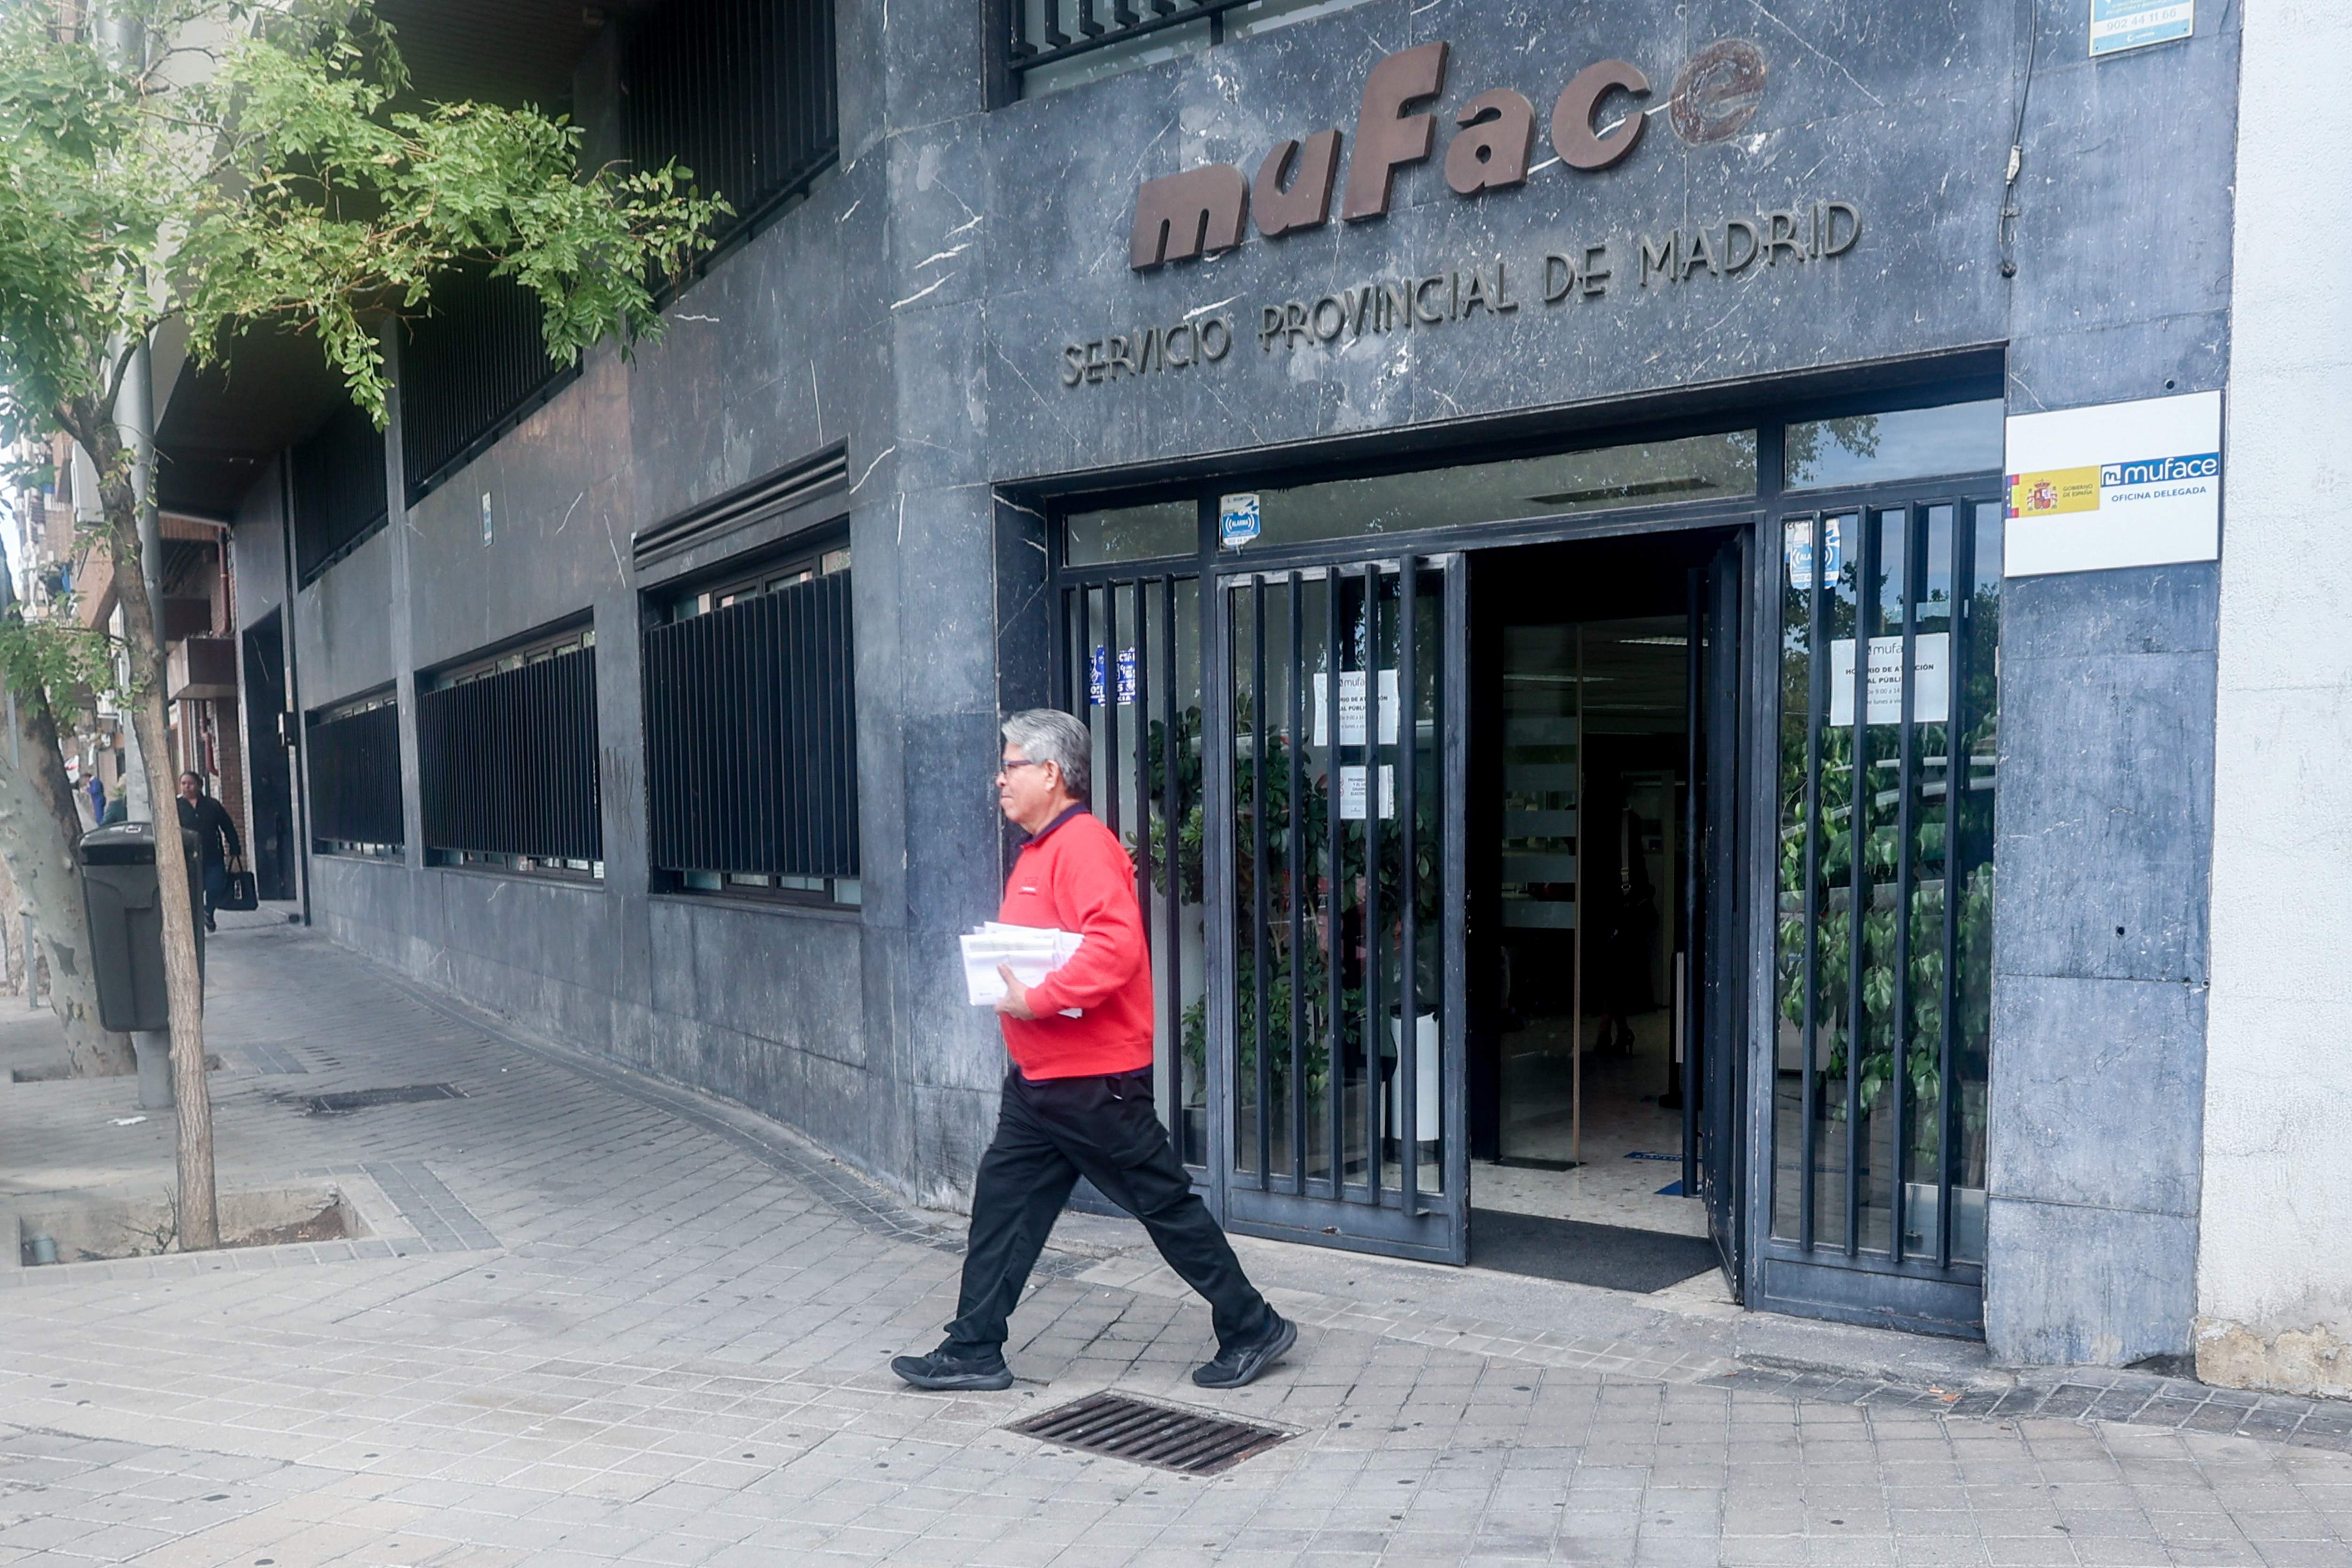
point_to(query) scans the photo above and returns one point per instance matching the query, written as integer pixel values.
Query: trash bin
(126, 923)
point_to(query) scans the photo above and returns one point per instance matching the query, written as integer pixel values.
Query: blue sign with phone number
(2120, 25)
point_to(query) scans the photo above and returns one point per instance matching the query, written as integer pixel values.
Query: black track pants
(1048, 1134)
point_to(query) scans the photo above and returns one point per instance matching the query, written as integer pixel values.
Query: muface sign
(1204, 210)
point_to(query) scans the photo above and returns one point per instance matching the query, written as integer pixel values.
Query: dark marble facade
(918, 304)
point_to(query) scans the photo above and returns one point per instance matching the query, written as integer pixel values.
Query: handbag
(238, 893)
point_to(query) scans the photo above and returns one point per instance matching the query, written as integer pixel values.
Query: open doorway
(1586, 660)
(269, 769)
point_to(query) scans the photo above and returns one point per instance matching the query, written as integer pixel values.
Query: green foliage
(325, 183)
(1296, 848)
(54, 656)
(82, 213)
(255, 166)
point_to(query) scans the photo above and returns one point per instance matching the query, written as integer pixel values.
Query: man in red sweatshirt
(1077, 1099)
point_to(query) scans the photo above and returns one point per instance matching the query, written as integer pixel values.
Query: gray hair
(1050, 735)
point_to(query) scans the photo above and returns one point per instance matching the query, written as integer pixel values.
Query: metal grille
(507, 762)
(1045, 31)
(1191, 1441)
(339, 491)
(355, 779)
(740, 92)
(1339, 706)
(1133, 669)
(469, 368)
(751, 736)
(1890, 702)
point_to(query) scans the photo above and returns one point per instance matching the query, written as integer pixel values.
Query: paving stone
(617, 1289)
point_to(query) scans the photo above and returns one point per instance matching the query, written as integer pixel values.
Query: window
(469, 370)
(1720, 467)
(506, 751)
(751, 731)
(339, 491)
(1907, 444)
(1132, 533)
(740, 92)
(1058, 44)
(355, 801)
(1648, 473)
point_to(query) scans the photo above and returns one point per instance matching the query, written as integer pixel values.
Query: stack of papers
(1033, 951)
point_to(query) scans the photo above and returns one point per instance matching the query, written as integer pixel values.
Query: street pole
(134, 412)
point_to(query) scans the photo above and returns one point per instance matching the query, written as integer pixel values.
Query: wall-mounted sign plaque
(2121, 484)
(2120, 25)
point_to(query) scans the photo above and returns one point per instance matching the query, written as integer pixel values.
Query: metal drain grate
(361, 1099)
(1191, 1441)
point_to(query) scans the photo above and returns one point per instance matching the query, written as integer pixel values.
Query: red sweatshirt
(1075, 876)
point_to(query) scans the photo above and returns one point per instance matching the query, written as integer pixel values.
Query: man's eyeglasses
(1005, 767)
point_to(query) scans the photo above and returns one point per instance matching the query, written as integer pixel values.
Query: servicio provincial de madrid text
(1821, 231)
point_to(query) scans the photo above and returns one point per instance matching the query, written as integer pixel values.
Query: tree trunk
(199, 1212)
(183, 985)
(39, 831)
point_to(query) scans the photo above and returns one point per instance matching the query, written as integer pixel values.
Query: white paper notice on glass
(1352, 793)
(1351, 708)
(1931, 684)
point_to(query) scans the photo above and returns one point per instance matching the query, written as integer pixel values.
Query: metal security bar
(1890, 705)
(741, 92)
(1132, 671)
(751, 738)
(475, 364)
(354, 768)
(508, 764)
(339, 491)
(1046, 31)
(1338, 709)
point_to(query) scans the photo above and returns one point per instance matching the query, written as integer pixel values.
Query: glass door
(1336, 1062)
(1714, 1075)
(1131, 668)
(1889, 711)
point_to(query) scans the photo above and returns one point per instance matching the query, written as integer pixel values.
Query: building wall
(2274, 1276)
(918, 305)
(2100, 946)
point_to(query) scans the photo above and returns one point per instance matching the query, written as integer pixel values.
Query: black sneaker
(942, 1369)
(1238, 1364)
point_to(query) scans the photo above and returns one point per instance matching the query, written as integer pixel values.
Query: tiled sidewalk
(652, 1329)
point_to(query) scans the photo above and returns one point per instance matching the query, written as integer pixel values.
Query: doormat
(1529, 1163)
(1613, 1257)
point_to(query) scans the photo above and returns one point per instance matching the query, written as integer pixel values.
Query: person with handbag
(217, 839)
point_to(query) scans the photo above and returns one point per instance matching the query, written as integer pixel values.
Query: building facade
(1533, 516)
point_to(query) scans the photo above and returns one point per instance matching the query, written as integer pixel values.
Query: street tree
(236, 168)
(39, 823)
